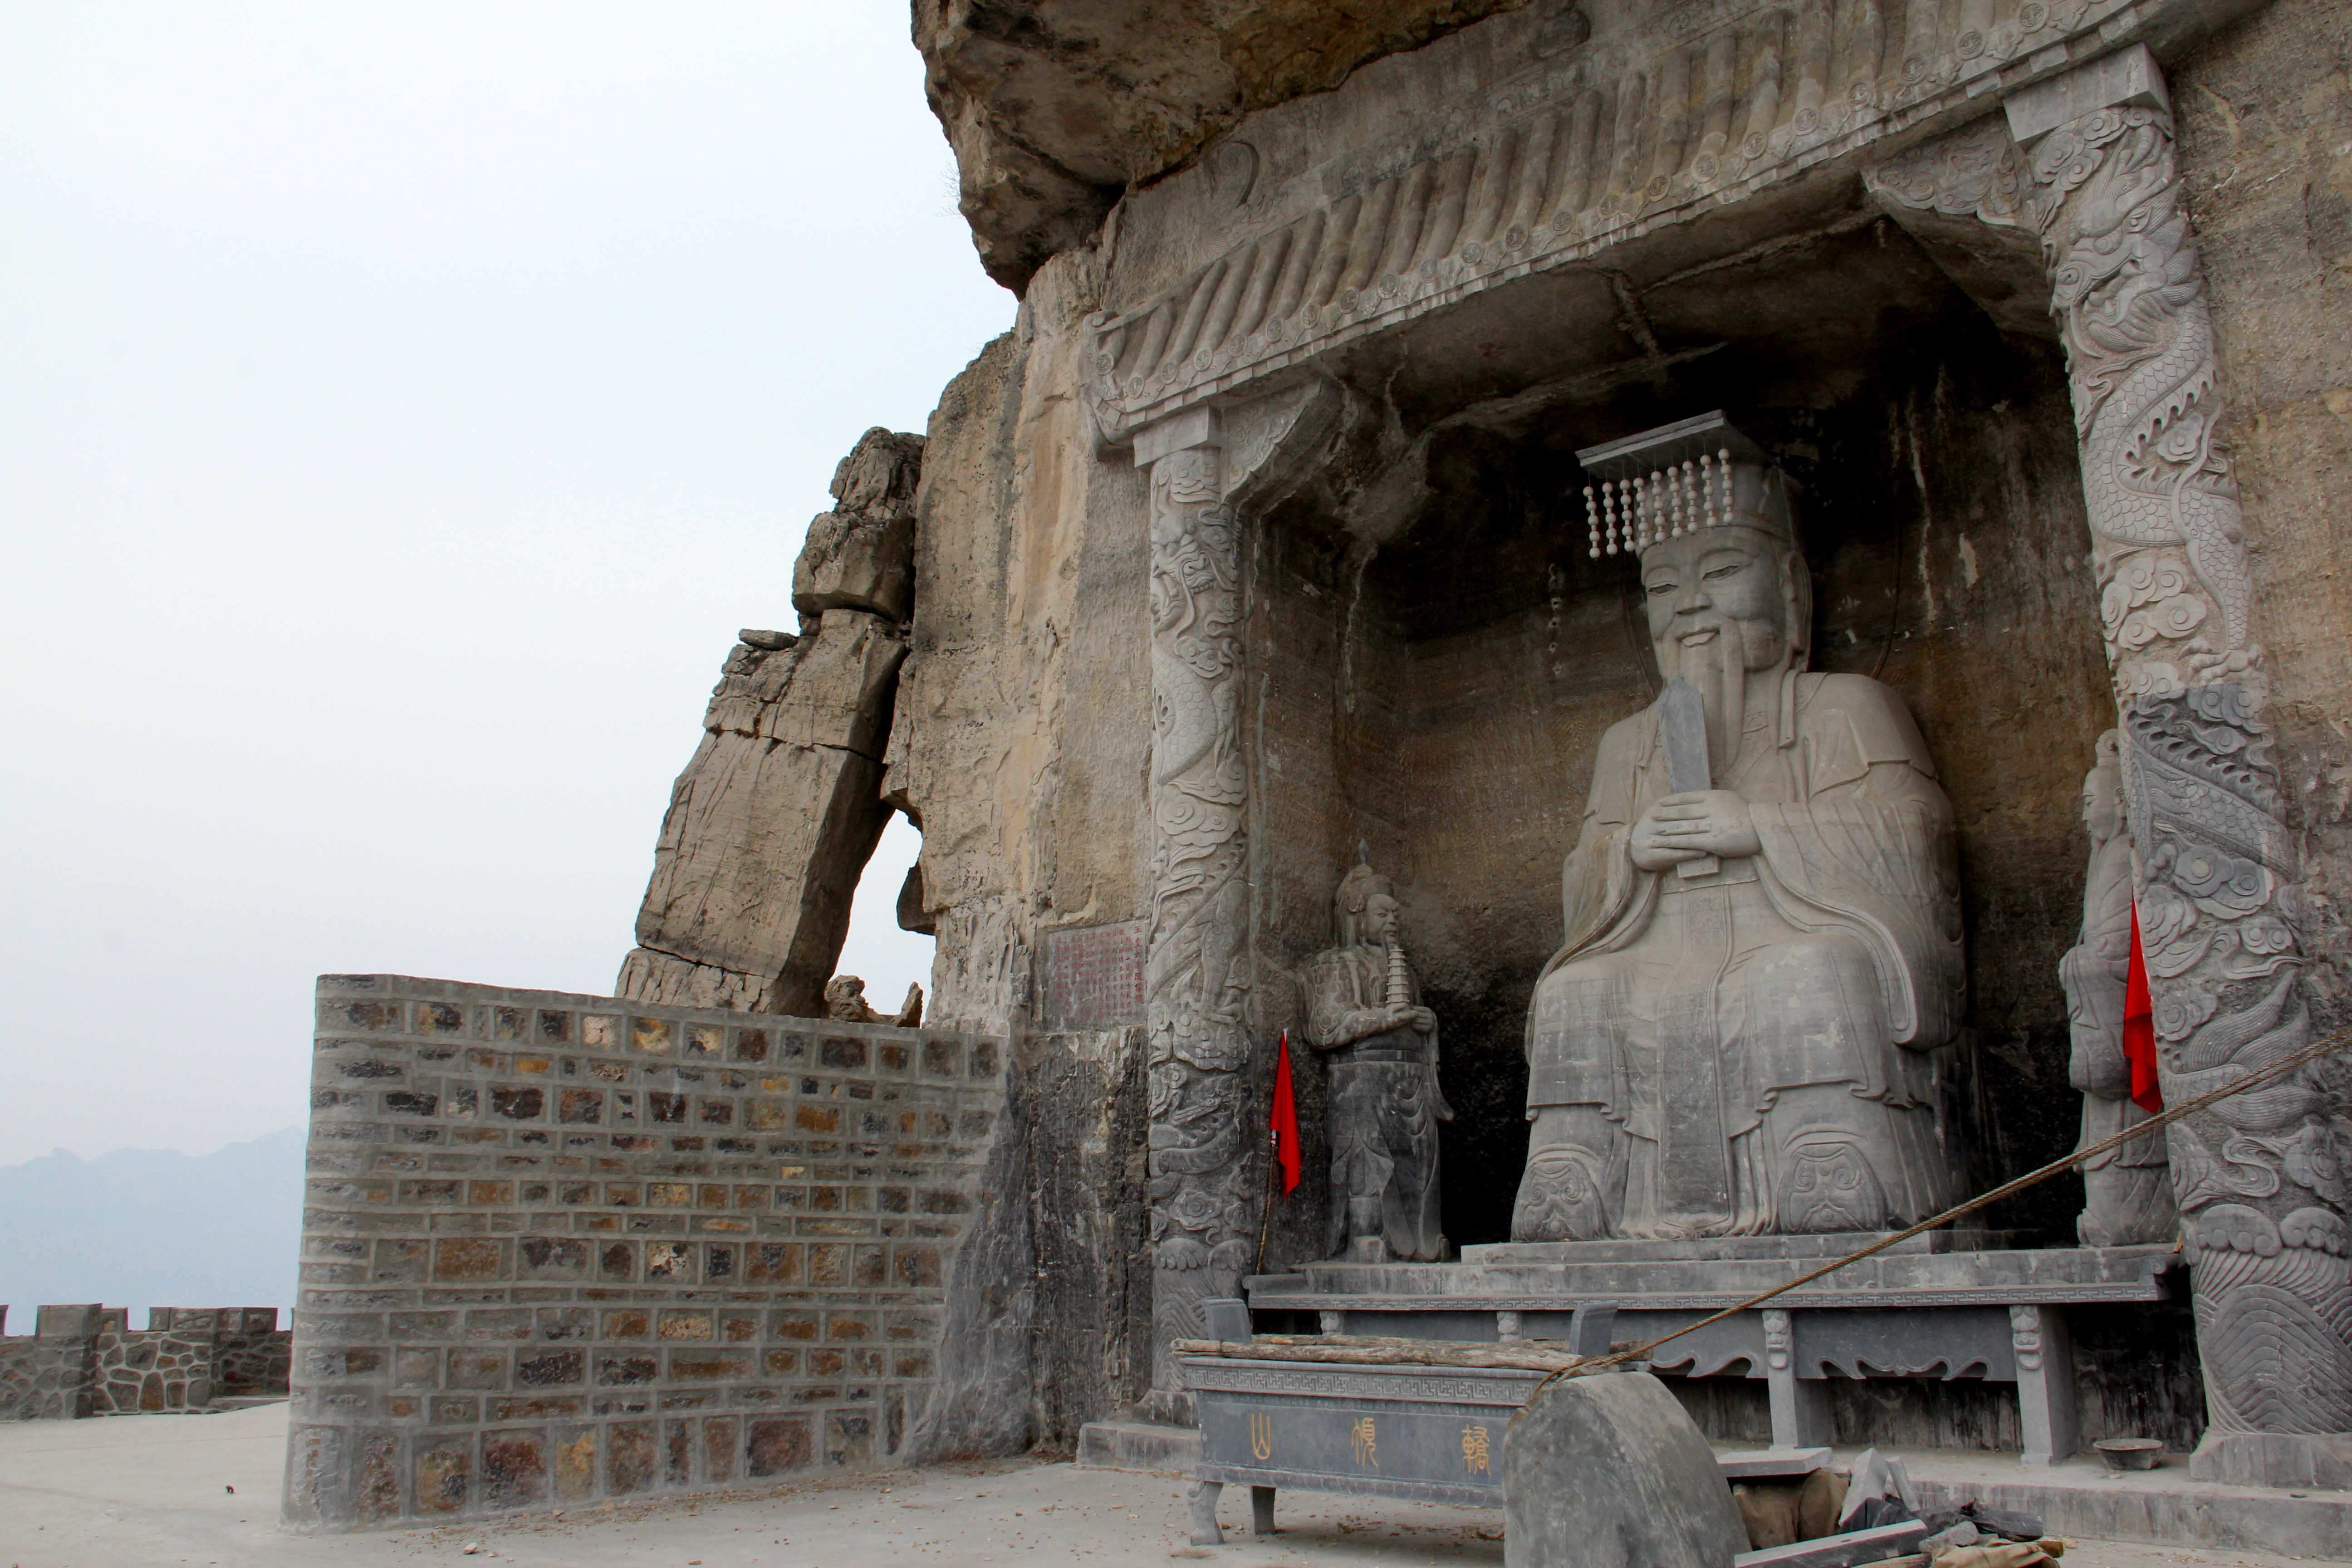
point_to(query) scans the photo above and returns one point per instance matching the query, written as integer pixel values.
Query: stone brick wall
(251, 1354)
(167, 1368)
(559, 1248)
(86, 1360)
(45, 1375)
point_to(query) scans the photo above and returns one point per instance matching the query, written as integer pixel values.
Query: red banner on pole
(2140, 1027)
(1286, 1117)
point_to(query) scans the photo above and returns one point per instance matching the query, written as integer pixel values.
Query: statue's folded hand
(1679, 827)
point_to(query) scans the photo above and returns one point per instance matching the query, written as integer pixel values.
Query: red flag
(1286, 1117)
(2139, 1028)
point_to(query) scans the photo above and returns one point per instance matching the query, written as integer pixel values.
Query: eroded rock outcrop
(1055, 107)
(772, 822)
(861, 554)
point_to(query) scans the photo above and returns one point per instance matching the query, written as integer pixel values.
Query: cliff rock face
(1055, 107)
(1430, 651)
(2266, 118)
(861, 554)
(773, 821)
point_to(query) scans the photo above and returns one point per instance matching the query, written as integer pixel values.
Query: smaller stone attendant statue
(2127, 1192)
(845, 1002)
(1364, 1012)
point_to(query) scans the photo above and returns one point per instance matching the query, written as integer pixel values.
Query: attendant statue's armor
(1763, 950)
(1364, 1012)
(2127, 1192)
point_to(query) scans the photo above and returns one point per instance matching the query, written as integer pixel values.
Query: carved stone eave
(1555, 163)
(1962, 197)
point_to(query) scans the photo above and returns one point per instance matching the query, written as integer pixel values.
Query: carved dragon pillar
(1208, 469)
(1196, 971)
(2086, 164)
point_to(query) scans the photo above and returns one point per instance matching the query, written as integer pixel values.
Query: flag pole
(1282, 1117)
(1273, 1174)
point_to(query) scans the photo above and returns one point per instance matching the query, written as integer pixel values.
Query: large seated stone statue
(1763, 930)
(1364, 1012)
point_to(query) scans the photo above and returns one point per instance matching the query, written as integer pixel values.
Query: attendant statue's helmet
(1349, 922)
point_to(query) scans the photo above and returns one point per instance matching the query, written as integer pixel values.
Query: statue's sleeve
(1871, 847)
(1597, 881)
(2108, 905)
(1332, 1004)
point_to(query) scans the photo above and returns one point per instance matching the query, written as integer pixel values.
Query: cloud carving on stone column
(2261, 1180)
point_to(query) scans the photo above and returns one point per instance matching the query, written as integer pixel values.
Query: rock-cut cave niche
(1436, 698)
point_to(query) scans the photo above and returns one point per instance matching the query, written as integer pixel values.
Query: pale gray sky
(400, 408)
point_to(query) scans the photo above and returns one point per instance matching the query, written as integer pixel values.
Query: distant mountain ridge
(150, 1227)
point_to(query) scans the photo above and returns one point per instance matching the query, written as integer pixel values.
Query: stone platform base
(1139, 1445)
(1740, 1249)
(2081, 1497)
(2311, 1461)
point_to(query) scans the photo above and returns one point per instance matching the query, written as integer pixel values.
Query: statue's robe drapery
(1748, 1051)
(2127, 1192)
(1384, 1104)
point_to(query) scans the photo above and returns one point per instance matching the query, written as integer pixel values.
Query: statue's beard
(1717, 666)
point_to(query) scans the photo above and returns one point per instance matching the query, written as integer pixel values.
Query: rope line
(2278, 1069)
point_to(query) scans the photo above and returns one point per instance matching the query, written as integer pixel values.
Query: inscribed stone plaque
(1094, 976)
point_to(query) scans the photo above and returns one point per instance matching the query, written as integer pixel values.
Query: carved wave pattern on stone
(2129, 295)
(1612, 141)
(2263, 1180)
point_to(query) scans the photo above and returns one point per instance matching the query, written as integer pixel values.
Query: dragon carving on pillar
(2263, 1180)
(1196, 974)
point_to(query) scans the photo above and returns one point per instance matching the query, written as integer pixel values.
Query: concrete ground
(142, 1491)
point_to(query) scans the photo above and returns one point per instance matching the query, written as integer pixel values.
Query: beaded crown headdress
(1694, 474)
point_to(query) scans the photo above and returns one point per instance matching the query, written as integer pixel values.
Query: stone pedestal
(1995, 1316)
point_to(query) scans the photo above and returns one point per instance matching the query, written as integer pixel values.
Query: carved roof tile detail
(1582, 154)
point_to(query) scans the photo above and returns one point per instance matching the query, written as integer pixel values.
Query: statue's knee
(1809, 958)
(1811, 984)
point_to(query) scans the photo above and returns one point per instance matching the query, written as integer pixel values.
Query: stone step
(2081, 1497)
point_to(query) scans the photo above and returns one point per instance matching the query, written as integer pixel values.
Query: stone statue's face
(1717, 586)
(2102, 805)
(1380, 919)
